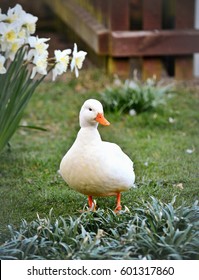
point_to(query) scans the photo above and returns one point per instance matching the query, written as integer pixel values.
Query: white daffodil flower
(61, 59)
(29, 23)
(15, 14)
(13, 48)
(9, 34)
(19, 16)
(77, 60)
(40, 67)
(22, 35)
(38, 45)
(16, 26)
(2, 61)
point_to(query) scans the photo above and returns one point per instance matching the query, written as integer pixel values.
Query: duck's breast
(100, 170)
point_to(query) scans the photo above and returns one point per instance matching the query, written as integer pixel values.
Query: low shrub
(134, 96)
(153, 231)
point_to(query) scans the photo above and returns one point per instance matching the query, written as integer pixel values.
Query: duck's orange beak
(101, 119)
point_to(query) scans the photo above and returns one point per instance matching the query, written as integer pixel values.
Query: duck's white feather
(95, 167)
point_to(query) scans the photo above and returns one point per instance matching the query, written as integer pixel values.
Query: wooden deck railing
(134, 32)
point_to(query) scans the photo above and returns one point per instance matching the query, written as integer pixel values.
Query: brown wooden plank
(86, 27)
(119, 15)
(149, 43)
(119, 66)
(184, 67)
(118, 19)
(152, 67)
(152, 14)
(184, 19)
(152, 20)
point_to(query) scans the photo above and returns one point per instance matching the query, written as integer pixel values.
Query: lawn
(163, 144)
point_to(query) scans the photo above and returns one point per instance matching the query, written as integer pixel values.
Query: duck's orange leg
(91, 203)
(118, 203)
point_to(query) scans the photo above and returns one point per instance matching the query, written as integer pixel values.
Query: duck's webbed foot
(91, 207)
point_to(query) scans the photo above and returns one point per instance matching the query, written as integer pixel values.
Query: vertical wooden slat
(152, 19)
(119, 15)
(118, 20)
(184, 19)
(135, 19)
(119, 66)
(184, 13)
(152, 16)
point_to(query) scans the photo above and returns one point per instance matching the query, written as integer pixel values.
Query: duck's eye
(90, 109)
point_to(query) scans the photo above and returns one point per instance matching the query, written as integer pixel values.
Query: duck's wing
(119, 167)
(116, 152)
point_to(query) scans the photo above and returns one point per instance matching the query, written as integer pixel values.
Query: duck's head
(92, 113)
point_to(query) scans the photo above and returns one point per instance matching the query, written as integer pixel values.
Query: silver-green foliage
(134, 94)
(153, 231)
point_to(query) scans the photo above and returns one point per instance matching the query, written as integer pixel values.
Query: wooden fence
(154, 36)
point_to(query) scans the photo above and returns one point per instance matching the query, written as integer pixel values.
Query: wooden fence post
(152, 20)
(184, 19)
(118, 20)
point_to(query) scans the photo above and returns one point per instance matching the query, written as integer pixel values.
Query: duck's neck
(88, 135)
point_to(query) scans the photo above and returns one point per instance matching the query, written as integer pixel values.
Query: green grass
(29, 182)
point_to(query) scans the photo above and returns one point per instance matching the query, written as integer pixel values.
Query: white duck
(94, 167)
